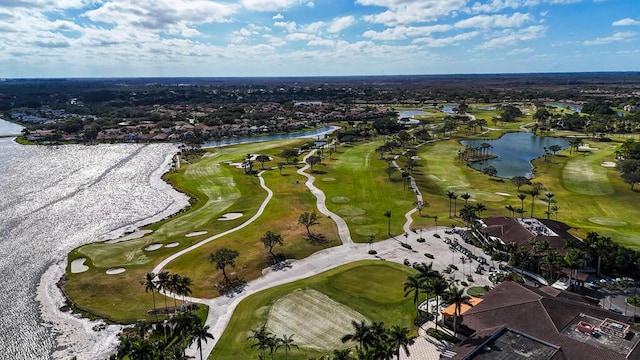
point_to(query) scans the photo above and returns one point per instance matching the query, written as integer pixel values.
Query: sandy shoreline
(76, 336)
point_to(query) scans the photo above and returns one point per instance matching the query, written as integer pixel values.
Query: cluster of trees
(164, 282)
(629, 162)
(264, 340)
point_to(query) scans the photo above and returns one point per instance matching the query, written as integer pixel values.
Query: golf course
(363, 187)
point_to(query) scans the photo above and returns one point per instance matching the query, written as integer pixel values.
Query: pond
(316, 133)
(514, 152)
(410, 113)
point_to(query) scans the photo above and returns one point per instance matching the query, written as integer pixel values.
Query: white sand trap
(152, 247)
(317, 320)
(78, 266)
(196, 233)
(115, 271)
(134, 235)
(172, 245)
(586, 148)
(230, 216)
(503, 194)
(609, 164)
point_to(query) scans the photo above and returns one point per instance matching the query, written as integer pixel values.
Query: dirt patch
(317, 321)
(608, 164)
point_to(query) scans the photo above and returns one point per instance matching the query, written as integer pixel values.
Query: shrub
(406, 246)
(421, 240)
(436, 235)
(372, 252)
(464, 283)
(453, 267)
(441, 335)
(430, 256)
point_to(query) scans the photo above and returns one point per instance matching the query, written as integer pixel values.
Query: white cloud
(404, 32)
(321, 42)
(446, 41)
(311, 4)
(411, 11)
(314, 27)
(277, 16)
(617, 37)
(290, 26)
(520, 51)
(340, 24)
(626, 22)
(269, 5)
(511, 38)
(301, 37)
(494, 21)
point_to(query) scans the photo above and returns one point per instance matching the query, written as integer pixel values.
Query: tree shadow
(317, 239)
(231, 288)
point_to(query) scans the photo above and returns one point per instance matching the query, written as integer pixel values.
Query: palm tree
(534, 192)
(174, 283)
(511, 209)
(286, 342)
(457, 297)
(455, 204)
(361, 333)
(388, 215)
(162, 283)
(438, 286)
(450, 195)
(573, 259)
(551, 261)
(261, 336)
(413, 285)
(141, 349)
(466, 197)
(184, 287)
(549, 196)
(342, 354)
(149, 285)
(200, 333)
(522, 196)
(480, 207)
(399, 338)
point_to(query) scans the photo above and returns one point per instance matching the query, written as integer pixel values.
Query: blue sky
(130, 38)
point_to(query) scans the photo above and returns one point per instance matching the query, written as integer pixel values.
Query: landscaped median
(364, 290)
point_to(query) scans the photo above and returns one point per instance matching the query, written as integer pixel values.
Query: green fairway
(362, 192)
(217, 188)
(590, 197)
(372, 289)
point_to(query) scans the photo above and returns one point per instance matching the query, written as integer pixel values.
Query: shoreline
(74, 335)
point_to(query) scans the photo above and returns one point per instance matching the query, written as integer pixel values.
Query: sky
(219, 38)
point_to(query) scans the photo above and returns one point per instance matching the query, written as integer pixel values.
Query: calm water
(515, 152)
(316, 133)
(410, 113)
(8, 128)
(53, 200)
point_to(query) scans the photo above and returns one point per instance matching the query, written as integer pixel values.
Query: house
(515, 321)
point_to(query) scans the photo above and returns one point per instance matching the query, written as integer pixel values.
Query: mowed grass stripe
(317, 321)
(584, 175)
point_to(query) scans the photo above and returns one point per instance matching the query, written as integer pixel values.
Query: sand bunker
(115, 271)
(586, 147)
(195, 233)
(134, 235)
(78, 266)
(230, 216)
(610, 164)
(503, 194)
(172, 245)
(152, 247)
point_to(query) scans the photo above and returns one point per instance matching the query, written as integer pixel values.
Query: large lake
(514, 153)
(9, 128)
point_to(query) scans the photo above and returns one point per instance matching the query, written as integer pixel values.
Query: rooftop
(509, 344)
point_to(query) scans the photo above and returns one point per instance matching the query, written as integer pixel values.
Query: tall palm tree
(466, 197)
(261, 337)
(551, 261)
(450, 195)
(342, 354)
(413, 285)
(174, 284)
(480, 207)
(457, 297)
(455, 204)
(387, 214)
(361, 333)
(200, 333)
(522, 196)
(534, 192)
(287, 342)
(184, 287)
(572, 260)
(549, 197)
(162, 283)
(149, 285)
(399, 338)
(141, 349)
(511, 209)
(438, 286)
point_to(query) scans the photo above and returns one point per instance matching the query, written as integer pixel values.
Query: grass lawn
(218, 189)
(373, 289)
(476, 291)
(359, 190)
(590, 197)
